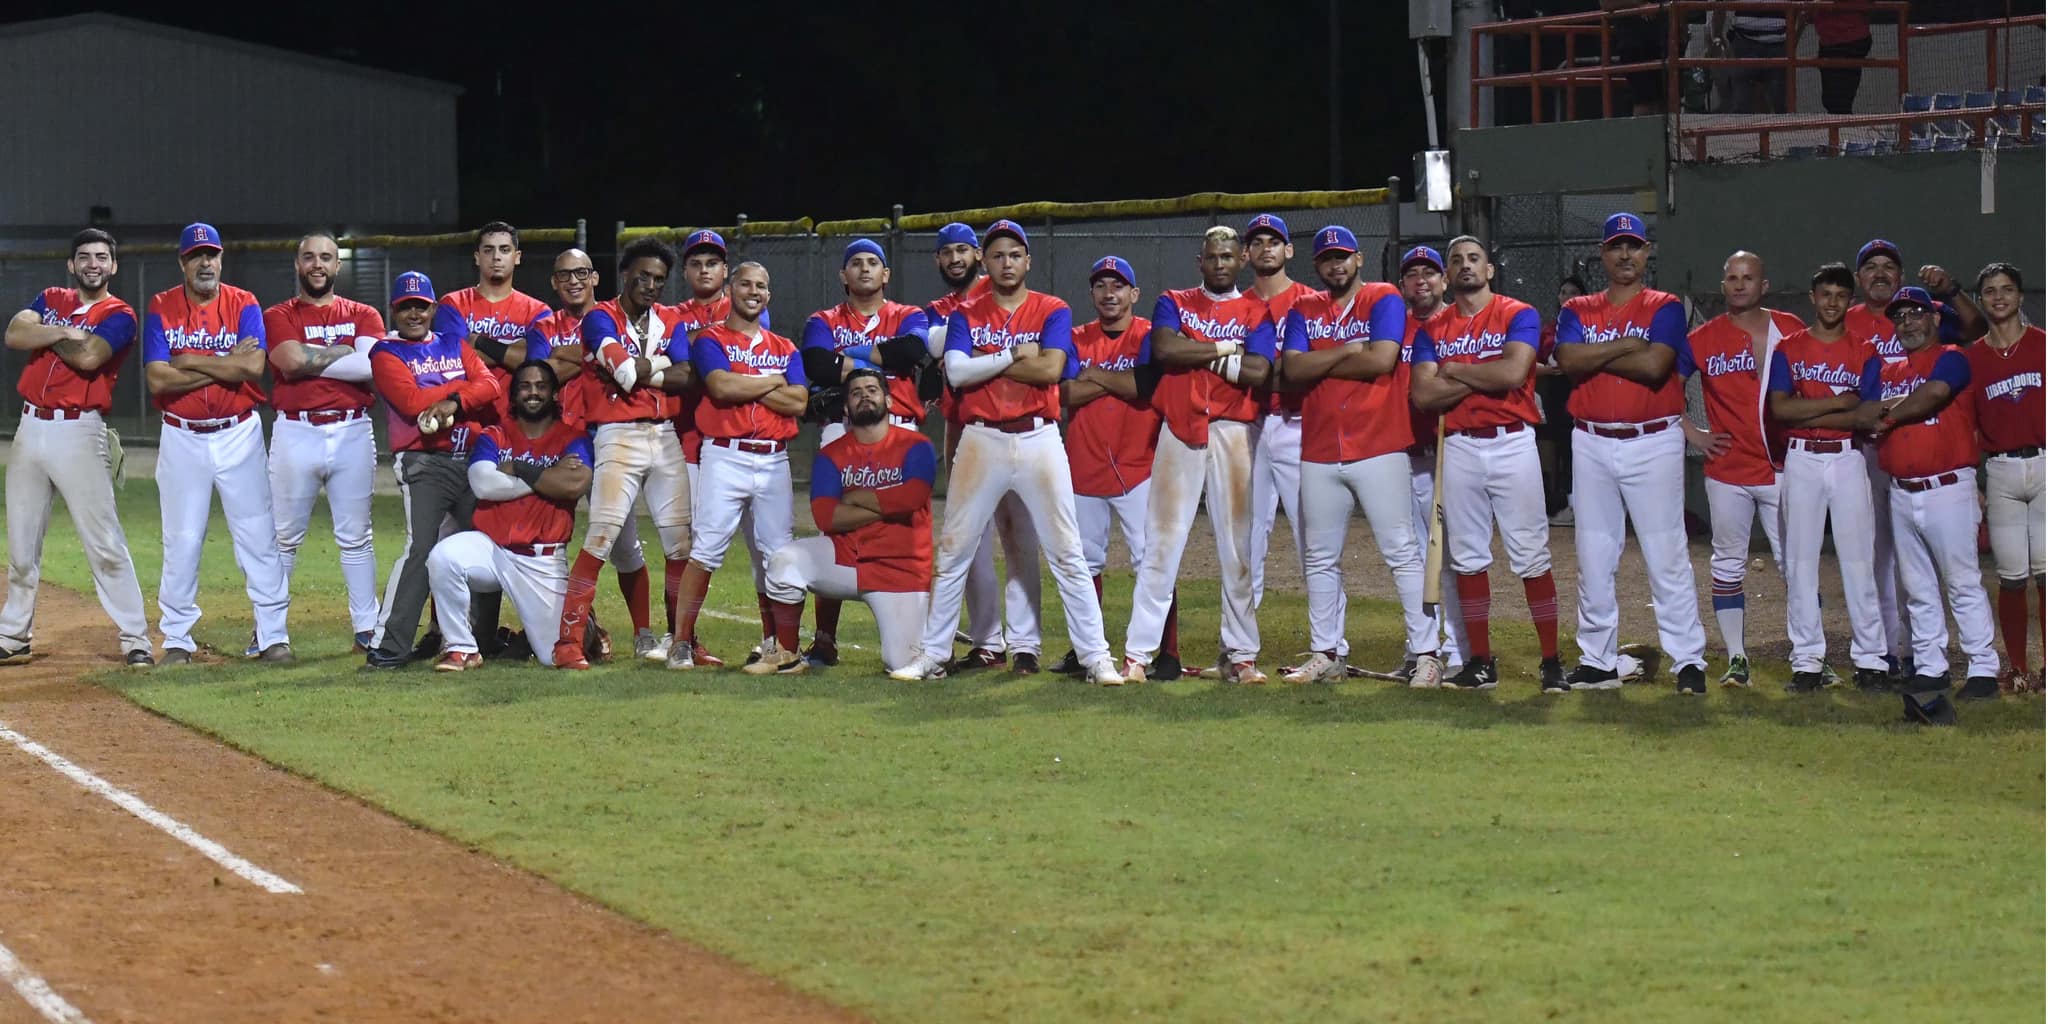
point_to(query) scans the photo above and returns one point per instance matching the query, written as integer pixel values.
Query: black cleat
(1553, 676)
(1166, 668)
(822, 653)
(1024, 663)
(1586, 677)
(382, 661)
(1478, 674)
(1692, 681)
(1069, 665)
(975, 660)
(140, 658)
(15, 655)
(1806, 682)
(1874, 680)
(1979, 688)
(177, 656)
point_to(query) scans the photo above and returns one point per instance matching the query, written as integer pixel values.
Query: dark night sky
(691, 113)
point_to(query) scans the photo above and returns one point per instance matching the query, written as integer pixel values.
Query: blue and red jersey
(1453, 337)
(980, 327)
(1940, 443)
(559, 330)
(610, 338)
(1806, 367)
(466, 313)
(530, 519)
(1110, 442)
(719, 348)
(1732, 385)
(1870, 325)
(340, 322)
(1286, 402)
(1193, 396)
(412, 376)
(894, 553)
(176, 325)
(1348, 420)
(1421, 424)
(49, 381)
(939, 312)
(843, 327)
(1657, 317)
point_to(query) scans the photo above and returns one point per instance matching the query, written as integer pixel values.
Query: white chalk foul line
(36, 992)
(132, 804)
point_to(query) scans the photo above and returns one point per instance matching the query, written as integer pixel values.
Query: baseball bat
(1433, 562)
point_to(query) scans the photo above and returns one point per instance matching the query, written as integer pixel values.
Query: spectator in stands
(1843, 35)
(1554, 434)
(1751, 35)
(1637, 39)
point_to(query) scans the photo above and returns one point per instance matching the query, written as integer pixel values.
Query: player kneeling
(528, 476)
(871, 492)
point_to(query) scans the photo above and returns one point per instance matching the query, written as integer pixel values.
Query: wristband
(655, 380)
(1233, 364)
(626, 375)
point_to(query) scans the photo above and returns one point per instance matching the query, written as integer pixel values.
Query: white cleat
(657, 651)
(1428, 674)
(1102, 672)
(924, 666)
(1319, 668)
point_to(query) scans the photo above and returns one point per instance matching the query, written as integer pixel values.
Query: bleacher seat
(1950, 144)
(1912, 104)
(1859, 148)
(1980, 99)
(2007, 124)
(1920, 144)
(2034, 94)
(1949, 101)
(2009, 97)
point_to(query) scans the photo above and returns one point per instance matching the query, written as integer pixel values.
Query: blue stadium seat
(1980, 99)
(2009, 97)
(1948, 101)
(1950, 144)
(2034, 94)
(1912, 104)
(1858, 148)
(2008, 124)
(1920, 144)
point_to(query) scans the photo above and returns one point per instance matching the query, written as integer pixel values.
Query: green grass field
(991, 848)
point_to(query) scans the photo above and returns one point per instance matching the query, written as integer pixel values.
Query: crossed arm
(80, 349)
(1176, 351)
(1355, 360)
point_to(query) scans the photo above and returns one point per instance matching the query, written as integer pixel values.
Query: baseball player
(76, 339)
(1276, 454)
(1925, 425)
(322, 438)
(754, 391)
(1816, 381)
(998, 624)
(1741, 443)
(1475, 362)
(1210, 347)
(2006, 369)
(628, 398)
(1111, 439)
(1422, 288)
(202, 351)
(1628, 463)
(438, 393)
(871, 493)
(1006, 353)
(527, 475)
(1344, 346)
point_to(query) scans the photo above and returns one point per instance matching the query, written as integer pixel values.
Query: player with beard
(1422, 288)
(1276, 455)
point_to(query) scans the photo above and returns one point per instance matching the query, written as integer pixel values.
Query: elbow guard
(821, 365)
(902, 355)
(491, 349)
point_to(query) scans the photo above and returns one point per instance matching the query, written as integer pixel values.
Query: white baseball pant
(1898, 627)
(342, 458)
(68, 458)
(1033, 466)
(1488, 482)
(1734, 509)
(1005, 619)
(2013, 504)
(471, 561)
(1182, 478)
(1447, 627)
(1276, 485)
(811, 565)
(1616, 481)
(1820, 488)
(746, 493)
(632, 459)
(1093, 513)
(1936, 533)
(1379, 485)
(189, 468)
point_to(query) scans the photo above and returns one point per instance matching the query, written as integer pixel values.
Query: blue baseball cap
(863, 245)
(1113, 265)
(1623, 225)
(1266, 222)
(198, 236)
(411, 286)
(1005, 227)
(703, 239)
(1422, 254)
(1876, 247)
(956, 233)
(1336, 238)
(1910, 296)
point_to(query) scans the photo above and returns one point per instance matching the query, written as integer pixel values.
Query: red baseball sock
(1169, 635)
(695, 582)
(1475, 601)
(1542, 594)
(827, 617)
(576, 607)
(2012, 623)
(767, 615)
(671, 582)
(787, 617)
(633, 587)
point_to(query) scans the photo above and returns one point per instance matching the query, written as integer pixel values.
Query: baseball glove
(117, 458)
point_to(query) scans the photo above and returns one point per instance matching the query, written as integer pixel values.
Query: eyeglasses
(1907, 313)
(576, 274)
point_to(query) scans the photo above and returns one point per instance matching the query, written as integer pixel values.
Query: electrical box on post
(1429, 19)
(1433, 180)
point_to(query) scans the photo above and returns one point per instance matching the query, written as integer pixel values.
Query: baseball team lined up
(1412, 400)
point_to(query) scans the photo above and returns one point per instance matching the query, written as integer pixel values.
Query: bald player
(1626, 349)
(76, 339)
(1742, 444)
(1210, 348)
(2006, 370)
(1276, 455)
(1476, 364)
(1344, 348)
(1422, 288)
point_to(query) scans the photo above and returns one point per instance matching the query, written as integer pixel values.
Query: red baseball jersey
(610, 338)
(1725, 357)
(1286, 402)
(176, 325)
(940, 311)
(1191, 397)
(1349, 420)
(2006, 387)
(1869, 324)
(720, 348)
(981, 327)
(531, 519)
(1453, 337)
(466, 312)
(1657, 317)
(412, 376)
(1421, 423)
(50, 382)
(559, 331)
(1806, 367)
(1110, 441)
(1940, 443)
(892, 554)
(842, 327)
(691, 317)
(340, 322)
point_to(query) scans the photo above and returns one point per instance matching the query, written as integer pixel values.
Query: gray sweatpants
(67, 458)
(438, 502)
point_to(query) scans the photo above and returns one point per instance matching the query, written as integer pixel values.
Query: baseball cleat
(648, 645)
(252, 651)
(1070, 665)
(1552, 671)
(1692, 680)
(776, 662)
(1829, 678)
(1738, 671)
(363, 641)
(1166, 668)
(177, 656)
(1136, 671)
(1319, 668)
(1806, 682)
(2015, 681)
(1244, 673)
(14, 655)
(1874, 680)
(1586, 677)
(680, 657)
(453, 661)
(1478, 674)
(377, 659)
(975, 660)
(823, 651)
(1024, 663)
(579, 663)
(761, 650)
(699, 656)
(1102, 672)
(1979, 688)
(140, 658)
(1428, 673)
(277, 654)
(922, 667)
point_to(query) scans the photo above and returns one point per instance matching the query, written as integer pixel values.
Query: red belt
(742, 444)
(1625, 433)
(537, 550)
(1482, 433)
(1822, 447)
(37, 411)
(205, 426)
(1927, 483)
(322, 417)
(1020, 425)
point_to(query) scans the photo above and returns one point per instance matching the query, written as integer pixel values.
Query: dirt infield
(395, 924)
